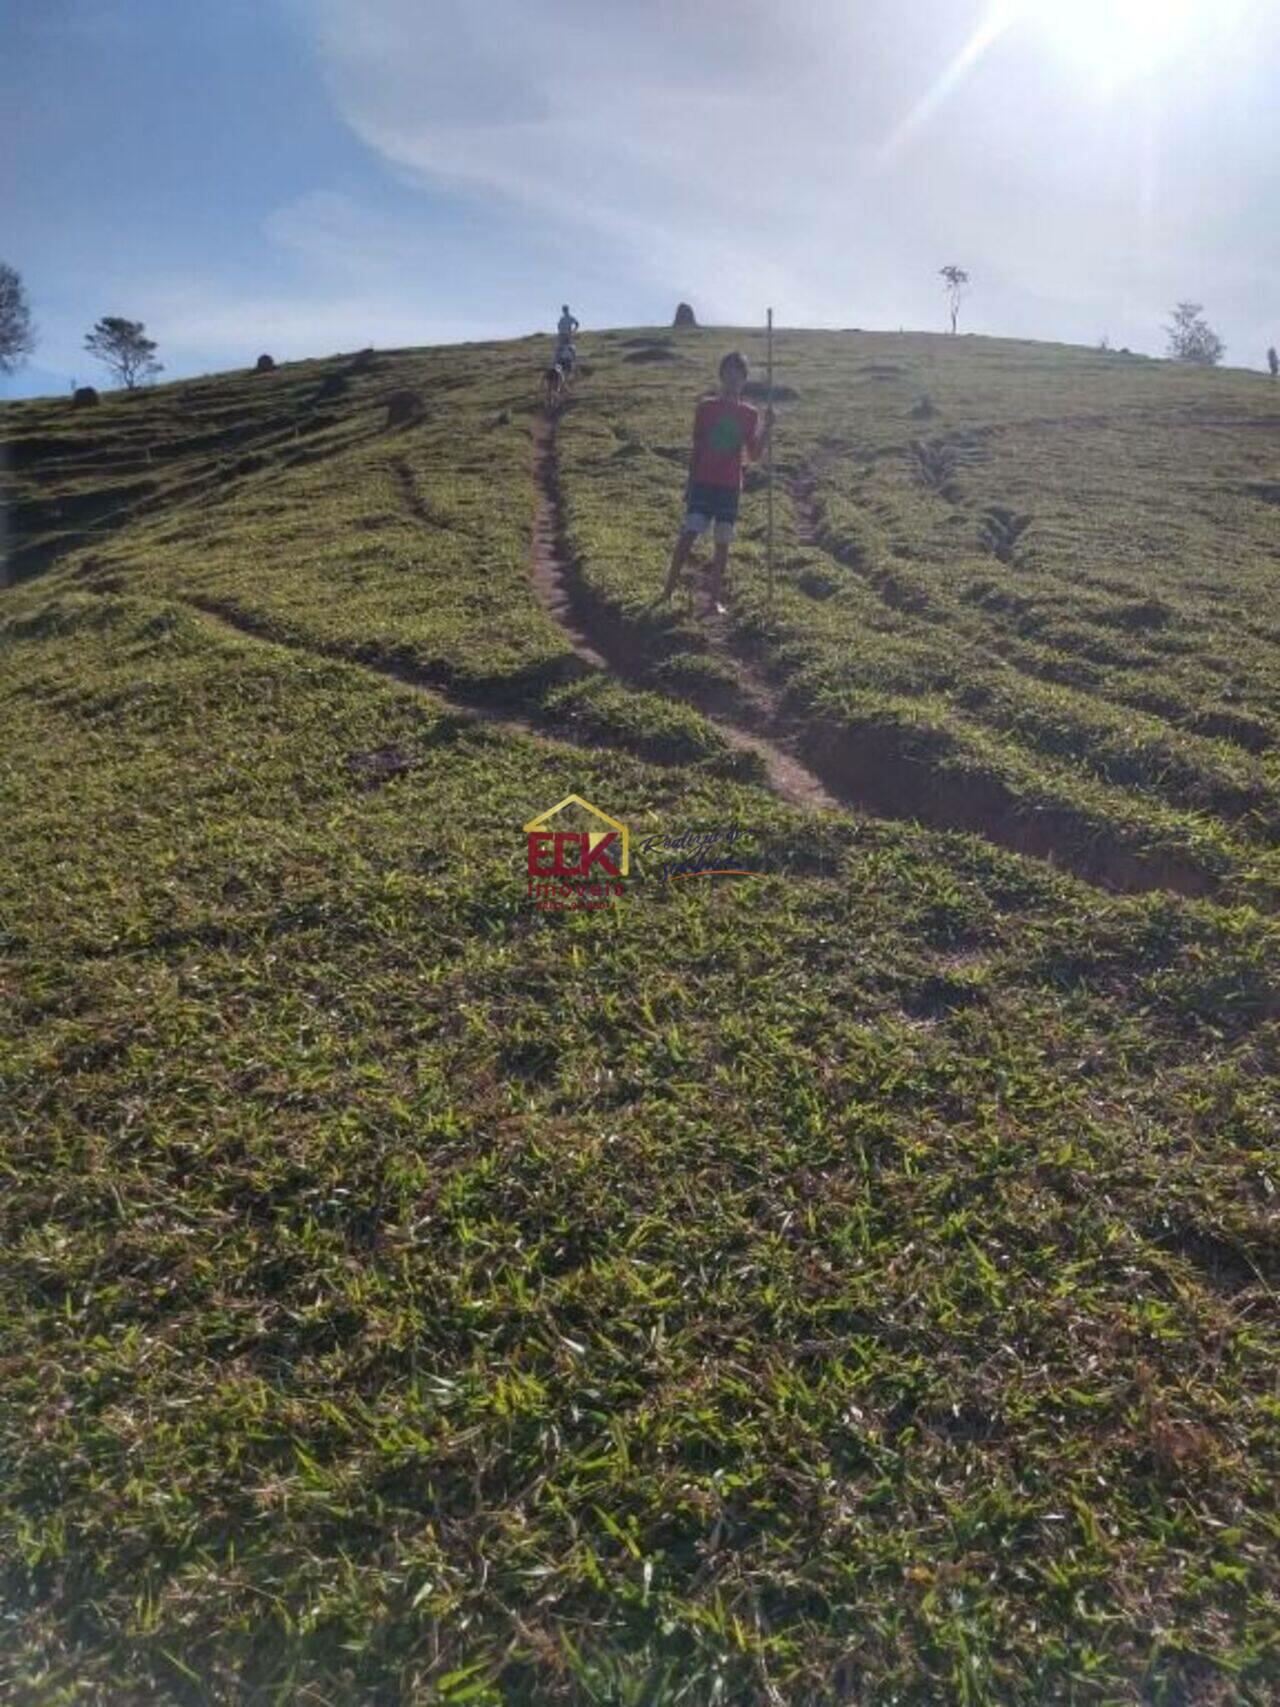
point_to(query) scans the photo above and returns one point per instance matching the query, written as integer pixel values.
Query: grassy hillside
(850, 1283)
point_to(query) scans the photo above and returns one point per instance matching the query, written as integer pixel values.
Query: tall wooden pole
(769, 457)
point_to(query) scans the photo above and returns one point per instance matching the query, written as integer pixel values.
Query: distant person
(725, 429)
(566, 357)
(553, 380)
(1273, 361)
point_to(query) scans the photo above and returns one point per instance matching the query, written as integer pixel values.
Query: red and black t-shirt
(723, 431)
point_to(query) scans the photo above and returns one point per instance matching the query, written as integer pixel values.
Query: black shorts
(707, 504)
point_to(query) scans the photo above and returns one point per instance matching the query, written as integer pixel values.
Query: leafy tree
(17, 338)
(1192, 339)
(123, 346)
(957, 283)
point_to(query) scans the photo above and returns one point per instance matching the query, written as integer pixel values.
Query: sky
(307, 176)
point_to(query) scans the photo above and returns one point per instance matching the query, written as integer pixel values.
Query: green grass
(1120, 670)
(853, 1284)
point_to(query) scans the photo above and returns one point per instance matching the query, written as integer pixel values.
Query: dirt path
(548, 563)
(606, 647)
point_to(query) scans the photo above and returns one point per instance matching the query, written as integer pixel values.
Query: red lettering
(596, 855)
(564, 840)
(537, 843)
(571, 854)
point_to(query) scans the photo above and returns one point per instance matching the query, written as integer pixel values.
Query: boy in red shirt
(724, 430)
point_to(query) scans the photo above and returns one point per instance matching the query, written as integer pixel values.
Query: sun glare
(1106, 45)
(1115, 42)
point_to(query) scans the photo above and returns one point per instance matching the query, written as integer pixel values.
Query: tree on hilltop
(17, 337)
(957, 284)
(1192, 339)
(123, 346)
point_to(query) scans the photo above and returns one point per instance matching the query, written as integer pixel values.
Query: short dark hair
(736, 359)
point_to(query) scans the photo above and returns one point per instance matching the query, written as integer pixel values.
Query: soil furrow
(240, 622)
(885, 784)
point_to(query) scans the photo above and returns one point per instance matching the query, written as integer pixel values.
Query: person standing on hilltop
(725, 429)
(566, 354)
(1273, 361)
(566, 326)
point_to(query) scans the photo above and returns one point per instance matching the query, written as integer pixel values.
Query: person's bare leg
(679, 557)
(715, 588)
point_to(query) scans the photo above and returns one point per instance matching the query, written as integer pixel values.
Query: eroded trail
(549, 560)
(605, 645)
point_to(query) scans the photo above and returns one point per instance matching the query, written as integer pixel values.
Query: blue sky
(303, 176)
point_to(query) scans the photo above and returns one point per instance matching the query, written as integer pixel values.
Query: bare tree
(957, 284)
(123, 346)
(17, 337)
(1192, 339)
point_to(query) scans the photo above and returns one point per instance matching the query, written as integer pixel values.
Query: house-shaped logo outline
(540, 822)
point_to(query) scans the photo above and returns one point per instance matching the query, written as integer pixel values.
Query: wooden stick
(769, 456)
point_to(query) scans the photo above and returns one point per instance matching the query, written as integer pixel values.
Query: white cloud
(658, 136)
(737, 152)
